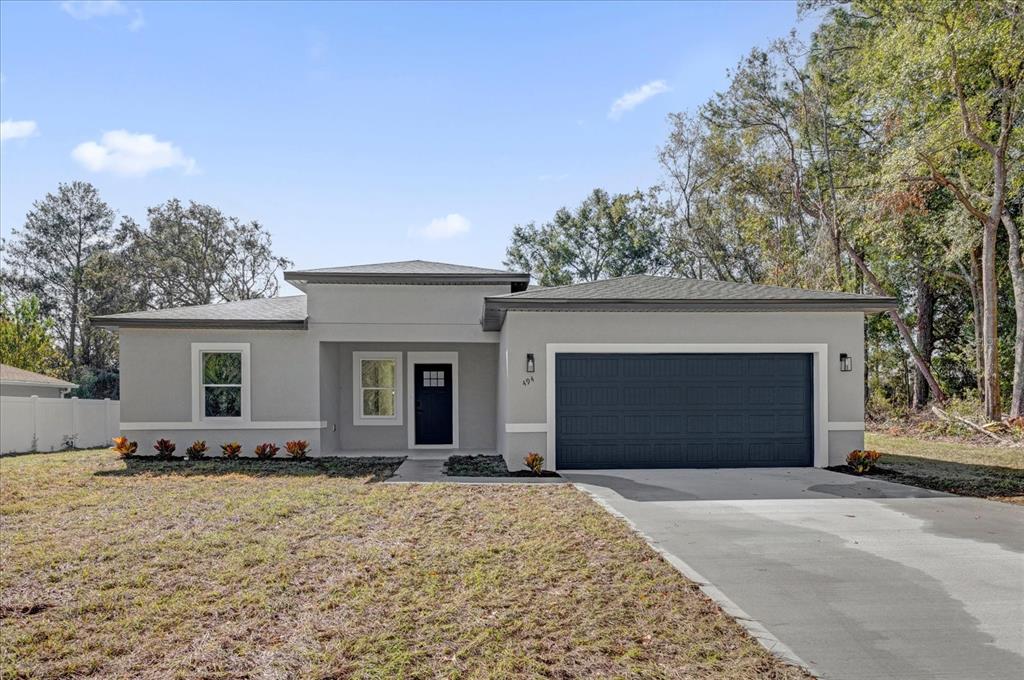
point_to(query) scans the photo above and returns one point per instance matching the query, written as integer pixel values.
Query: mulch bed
(486, 466)
(377, 468)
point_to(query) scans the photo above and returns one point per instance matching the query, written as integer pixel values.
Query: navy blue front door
(433, 395)
(683, 410)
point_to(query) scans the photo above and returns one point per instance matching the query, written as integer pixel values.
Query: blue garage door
(683, 410)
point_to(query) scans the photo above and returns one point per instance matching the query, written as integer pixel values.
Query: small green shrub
(197, 451)
(535, 462)
(164, 449)
(231, 449)
(266, 450)
(297, 449)
(862, 461)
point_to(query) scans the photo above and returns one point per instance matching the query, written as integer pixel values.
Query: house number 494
(528, 380)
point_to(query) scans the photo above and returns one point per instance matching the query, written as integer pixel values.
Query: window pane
(378, 402)
(223, 402)
(378, 373)
(222, 368)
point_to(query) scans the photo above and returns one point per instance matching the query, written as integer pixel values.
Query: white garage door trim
(819, 352)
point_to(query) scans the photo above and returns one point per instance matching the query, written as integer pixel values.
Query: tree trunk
(976, 305)
(925, 337)
(1017, 279)
(901, 325)
(989, 328)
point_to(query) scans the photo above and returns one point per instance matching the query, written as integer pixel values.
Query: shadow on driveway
(742, 484)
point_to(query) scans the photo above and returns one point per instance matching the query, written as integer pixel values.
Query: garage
(619, 410)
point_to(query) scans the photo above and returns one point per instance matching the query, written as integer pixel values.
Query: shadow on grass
(377, 468)
(964, 479)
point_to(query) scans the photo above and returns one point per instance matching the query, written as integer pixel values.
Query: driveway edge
(751, 625)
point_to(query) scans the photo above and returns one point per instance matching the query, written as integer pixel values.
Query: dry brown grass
(242, 570)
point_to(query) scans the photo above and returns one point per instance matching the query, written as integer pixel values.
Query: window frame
(358, 418)
(199, 387)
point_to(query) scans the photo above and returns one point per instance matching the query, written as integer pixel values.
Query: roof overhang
(243, 324)
(517, 282)
(495, 308)
(29, 383)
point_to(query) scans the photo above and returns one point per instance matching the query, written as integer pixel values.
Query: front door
(433, 395)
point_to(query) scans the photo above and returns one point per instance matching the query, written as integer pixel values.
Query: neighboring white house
(424, 358)
(17, 382)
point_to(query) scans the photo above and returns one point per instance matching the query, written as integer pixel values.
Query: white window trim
(819, 352)
(357, 389)
(433, 358)
(198, 401)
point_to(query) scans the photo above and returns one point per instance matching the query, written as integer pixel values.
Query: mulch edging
(482, 465)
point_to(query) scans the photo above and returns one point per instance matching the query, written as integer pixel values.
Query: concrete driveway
(858, 578)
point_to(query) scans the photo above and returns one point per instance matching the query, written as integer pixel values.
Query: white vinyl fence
(50, 424)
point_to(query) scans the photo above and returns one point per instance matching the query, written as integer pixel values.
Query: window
(376, 379)
(433, 378)
(222, 384)
(220, 381)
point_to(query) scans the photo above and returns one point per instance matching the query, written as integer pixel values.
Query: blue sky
(358, 132)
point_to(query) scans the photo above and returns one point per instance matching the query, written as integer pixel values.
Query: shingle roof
(646, 287)
(406, 267)
(416, 272)
(280, 312)
(666, 293)
(11, 374)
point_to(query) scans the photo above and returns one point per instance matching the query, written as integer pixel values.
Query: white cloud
(89, 9)
(443, 227)
(17, 129)
(635, 98)
(132, 155)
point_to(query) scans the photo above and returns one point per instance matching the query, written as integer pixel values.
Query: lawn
(995, 472)
(274, 570)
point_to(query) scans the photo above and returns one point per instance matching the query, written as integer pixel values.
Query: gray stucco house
(424, 358)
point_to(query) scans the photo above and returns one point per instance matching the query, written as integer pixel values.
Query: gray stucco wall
(395, 313)
(478, 376)
(156, 385)
(7, 390)
(525, 332)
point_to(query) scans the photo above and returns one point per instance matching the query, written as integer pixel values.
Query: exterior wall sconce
(845, 362)
(530, 364)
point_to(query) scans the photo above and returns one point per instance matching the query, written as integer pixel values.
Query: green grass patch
(967, 469)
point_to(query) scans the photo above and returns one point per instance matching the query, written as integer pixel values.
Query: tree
(947, 77)
(48, 255)
(196, 255)
(25, 338)
(606, 235)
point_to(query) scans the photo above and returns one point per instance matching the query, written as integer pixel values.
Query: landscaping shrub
(535, 462)
(164, 449)
(197, 451)
(266, 450)
(231, 449)
(297, 449)
(124, 448)
(862, 461)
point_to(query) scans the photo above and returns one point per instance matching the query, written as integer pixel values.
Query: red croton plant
(123, 447)
(164, 449)
(266, 450)
(297, 448)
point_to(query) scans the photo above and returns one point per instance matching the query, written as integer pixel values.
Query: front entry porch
(420, 400)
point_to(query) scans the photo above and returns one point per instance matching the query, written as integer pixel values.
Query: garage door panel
(683, 410)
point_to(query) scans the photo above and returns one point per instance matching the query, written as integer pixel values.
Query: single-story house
(17, 382)
(424, 358)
